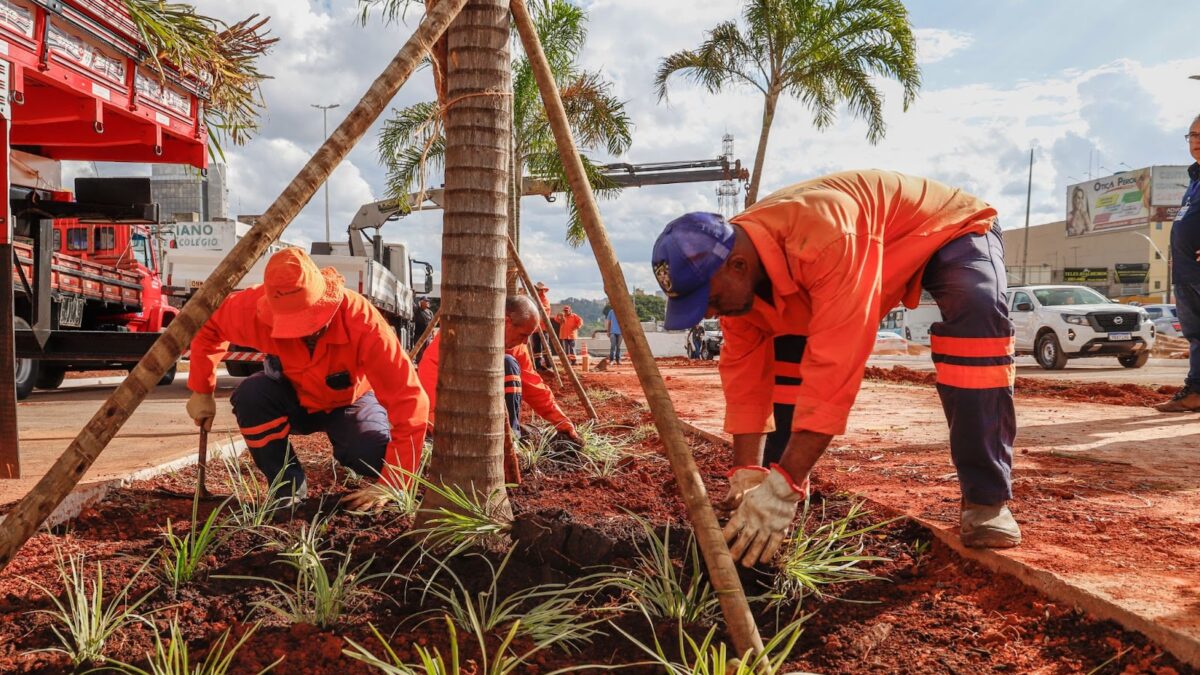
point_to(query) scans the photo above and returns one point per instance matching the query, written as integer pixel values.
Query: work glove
(741, 480)
(202, 408)
(758, 526)
(567, 442)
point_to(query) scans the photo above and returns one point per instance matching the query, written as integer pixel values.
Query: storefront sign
(1132, 273)
(1085, 275)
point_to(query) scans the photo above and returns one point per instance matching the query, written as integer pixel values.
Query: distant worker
(568, 330)
(521, 381)
(1185, 274)
(695, 337)
(422, 318)
(820, 264)
(343, 372)
(614, 336)
(542, 353)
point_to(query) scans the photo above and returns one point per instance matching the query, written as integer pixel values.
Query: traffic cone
(584, 359)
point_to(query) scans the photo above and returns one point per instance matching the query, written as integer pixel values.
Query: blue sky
(1071, 78)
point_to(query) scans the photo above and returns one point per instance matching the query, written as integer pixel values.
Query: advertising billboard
(1108, 203)
(1167, 185)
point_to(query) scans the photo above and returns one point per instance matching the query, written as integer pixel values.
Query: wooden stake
(720, 564)
(24, 519)
(562, 353)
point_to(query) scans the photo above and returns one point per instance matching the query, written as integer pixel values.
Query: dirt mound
(1128, 394)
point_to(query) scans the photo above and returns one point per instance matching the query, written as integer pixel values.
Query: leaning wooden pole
(24, 519)
(708, 532)
(562, 353)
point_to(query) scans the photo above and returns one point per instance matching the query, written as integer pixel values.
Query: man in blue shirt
(614, 337)
(1185, 272)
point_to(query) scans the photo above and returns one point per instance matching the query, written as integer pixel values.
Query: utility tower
(729, 189)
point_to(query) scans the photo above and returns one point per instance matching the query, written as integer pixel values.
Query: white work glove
(757, 528)
(202, 408)
(741, 480)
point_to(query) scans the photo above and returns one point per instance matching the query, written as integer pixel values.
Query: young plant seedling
(174, 657)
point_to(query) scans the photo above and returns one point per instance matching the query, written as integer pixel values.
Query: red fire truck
(79, 266)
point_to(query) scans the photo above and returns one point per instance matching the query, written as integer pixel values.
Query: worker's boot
(989, 526)
(1184, 400)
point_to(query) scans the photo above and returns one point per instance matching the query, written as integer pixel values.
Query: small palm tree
(412, 141)
(823, 52)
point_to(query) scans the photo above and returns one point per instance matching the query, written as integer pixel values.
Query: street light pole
(1028, 202)
(325, 123)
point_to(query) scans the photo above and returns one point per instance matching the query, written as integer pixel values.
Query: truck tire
(1134, 360)
(1049, 353)
(50, 377)
(26, 370)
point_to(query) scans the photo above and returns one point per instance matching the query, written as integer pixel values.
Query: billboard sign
(1085, 275)
(1108, 203)
(1168, 185)
(1132, 273)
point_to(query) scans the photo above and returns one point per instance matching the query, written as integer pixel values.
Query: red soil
(936, 613)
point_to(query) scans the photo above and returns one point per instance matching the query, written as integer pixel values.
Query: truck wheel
(26, 369)
(169, 376)
(1134, 360)
(50, 377)
(1049, 353)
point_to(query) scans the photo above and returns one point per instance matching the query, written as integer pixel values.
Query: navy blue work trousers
(1187, 306)
(972, 351)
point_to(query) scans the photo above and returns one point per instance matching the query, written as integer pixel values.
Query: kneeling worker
(521, 381)
(343, 372)
(815, 267)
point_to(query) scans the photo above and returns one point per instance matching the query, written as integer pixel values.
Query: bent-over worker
(521, 380)
(343, 372)
(816, 266)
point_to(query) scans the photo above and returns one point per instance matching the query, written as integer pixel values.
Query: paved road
(1156, 372)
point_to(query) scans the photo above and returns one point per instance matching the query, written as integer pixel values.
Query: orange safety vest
(533, 388)
(840, 251)
(571, 323)
(358, 341)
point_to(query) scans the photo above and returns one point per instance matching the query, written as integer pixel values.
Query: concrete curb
(91, 493)
(1183, 646)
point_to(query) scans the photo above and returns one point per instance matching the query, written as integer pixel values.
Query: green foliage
(251, 504)
(832, 553)
(412, 141)
(662, 591)
(174, 657)
(650, 307)
(181, 557)
(83, 619)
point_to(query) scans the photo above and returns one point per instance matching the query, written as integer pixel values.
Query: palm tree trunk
(470, 407)
(760, 156)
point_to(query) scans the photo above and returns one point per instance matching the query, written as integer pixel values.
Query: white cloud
(936, 44)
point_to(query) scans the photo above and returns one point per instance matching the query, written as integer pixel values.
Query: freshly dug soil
(1111, 394)
(928, 611)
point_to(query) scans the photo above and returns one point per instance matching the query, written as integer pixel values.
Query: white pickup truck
(1057, 323)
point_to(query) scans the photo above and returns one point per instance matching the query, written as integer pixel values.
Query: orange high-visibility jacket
(533, 388)
(571, 324)
(358, 341)
(841, 251)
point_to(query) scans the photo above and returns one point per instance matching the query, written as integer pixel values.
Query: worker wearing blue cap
(801, 281)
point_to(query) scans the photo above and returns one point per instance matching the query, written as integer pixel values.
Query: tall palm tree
(824, 52)
(470, 416)
(412, 142)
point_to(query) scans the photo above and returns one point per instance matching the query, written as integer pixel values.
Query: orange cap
(300, 299)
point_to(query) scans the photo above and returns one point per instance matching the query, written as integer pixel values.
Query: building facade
(183, 189)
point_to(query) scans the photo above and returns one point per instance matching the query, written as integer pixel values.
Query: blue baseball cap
(686, 255)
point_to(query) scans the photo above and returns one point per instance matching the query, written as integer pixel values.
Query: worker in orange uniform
(337, 367)
(801, 280)
(541, 340)
(568, 331)
(521, 381)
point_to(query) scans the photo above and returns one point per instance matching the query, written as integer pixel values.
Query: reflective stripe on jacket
(840, 251)
(533, 388)
(358, 342)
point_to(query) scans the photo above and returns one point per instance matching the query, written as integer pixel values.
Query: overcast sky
(1071, 78)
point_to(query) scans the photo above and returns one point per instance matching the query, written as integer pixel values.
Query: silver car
(1165, 318)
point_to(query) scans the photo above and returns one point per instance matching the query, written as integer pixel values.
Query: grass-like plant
(661, 589)
(83, 619)
(537, 450)
(174, 658)
(711, 657)
(252, 504)
(468, 521)
(604, 448)
(405, 500)
(831, 553)
(181, 557)
(549, 615)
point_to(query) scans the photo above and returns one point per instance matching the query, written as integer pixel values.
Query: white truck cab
(1061, 322)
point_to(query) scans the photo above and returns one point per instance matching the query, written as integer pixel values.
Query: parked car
(1057, 323)
(710, 345)
(887, 342)
(1165, 318)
